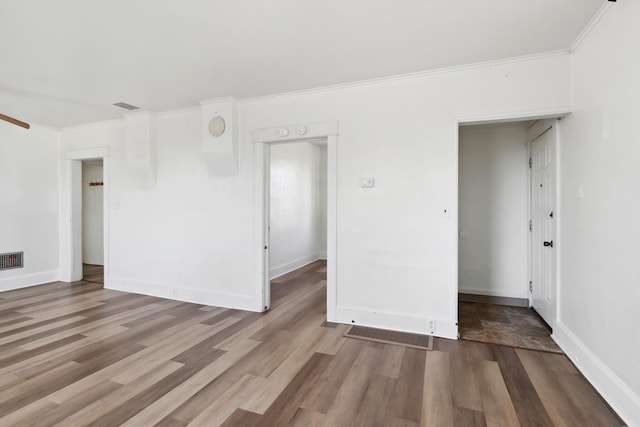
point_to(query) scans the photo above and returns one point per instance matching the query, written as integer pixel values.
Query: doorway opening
(296, 220)
(71, 216)
(93, 221)
(319, 132)
(501, 270)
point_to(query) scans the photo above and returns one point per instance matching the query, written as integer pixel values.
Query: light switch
(366, 182)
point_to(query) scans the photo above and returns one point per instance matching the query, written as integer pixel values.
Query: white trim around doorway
(262, 138)
(70, 224)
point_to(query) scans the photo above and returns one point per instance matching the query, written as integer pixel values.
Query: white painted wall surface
(599, 277)
(493, 217)
(29, 203)
(397, 255)
(189, 237)
(294, 206)
(92, 215)
(193, 237)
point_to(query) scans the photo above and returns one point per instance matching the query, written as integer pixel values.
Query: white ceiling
(64, 62)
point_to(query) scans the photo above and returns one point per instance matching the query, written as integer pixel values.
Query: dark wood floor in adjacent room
(77, 354)
(503, 324)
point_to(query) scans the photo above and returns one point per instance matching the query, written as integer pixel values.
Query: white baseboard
(294, 265)
(492, 293)
(322, 255)
(196, 296)
(27, 280)
(617, 394)
(396, 322)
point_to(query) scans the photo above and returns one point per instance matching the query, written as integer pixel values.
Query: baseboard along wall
(26, 280)
(295, 264)
(615, 392)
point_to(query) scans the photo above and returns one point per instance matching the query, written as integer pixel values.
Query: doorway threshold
(486, 299)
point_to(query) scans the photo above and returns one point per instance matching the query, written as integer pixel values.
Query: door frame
(488, 119)
(262, 139)
(71, 211)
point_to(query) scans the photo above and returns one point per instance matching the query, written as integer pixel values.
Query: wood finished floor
(77, 354)
(93, 273)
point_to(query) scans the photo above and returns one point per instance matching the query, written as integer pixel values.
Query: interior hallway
(77, 354)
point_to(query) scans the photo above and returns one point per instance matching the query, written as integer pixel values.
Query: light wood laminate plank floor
(77, 354)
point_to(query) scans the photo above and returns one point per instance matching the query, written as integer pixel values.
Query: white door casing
(543, 221)
(300, 132)
(71, 212)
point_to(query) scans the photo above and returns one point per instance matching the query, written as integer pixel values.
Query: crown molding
(217, 100)
(36, 125)
(410, 76)
(179, 111)
(368, 82)
(590, 26)
(139, 113)
(82, 126)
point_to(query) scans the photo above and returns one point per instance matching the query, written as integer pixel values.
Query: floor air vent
(11, 260)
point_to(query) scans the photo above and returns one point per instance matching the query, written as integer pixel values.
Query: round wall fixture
(216, 126)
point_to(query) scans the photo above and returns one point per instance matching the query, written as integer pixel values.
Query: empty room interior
(320, 213)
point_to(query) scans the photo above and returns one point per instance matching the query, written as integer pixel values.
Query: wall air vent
(126, 106)
(11, 260)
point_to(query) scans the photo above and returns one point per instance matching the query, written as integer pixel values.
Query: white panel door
(543, 225)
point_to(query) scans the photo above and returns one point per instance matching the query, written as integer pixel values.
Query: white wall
(493, 215)
(191, 237)
(397, 254)
(599, 277)
(92, 214)
(29, 203)
(295, 216)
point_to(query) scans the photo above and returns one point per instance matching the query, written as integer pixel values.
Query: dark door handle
(548, 243)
